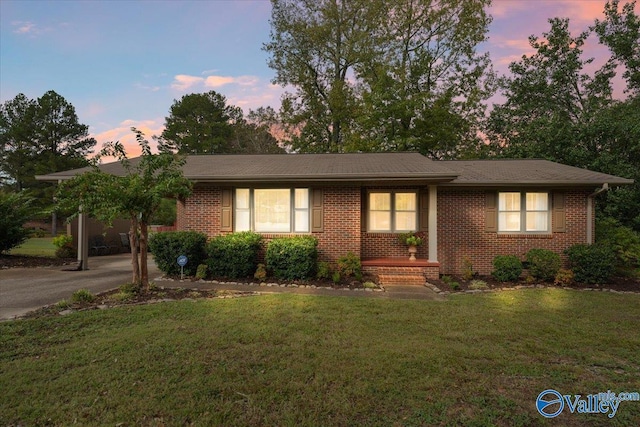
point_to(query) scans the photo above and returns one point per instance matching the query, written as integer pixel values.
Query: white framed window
(523, 212)
(392, 211)
(272, 210)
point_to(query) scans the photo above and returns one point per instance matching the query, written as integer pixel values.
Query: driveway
(26, 289)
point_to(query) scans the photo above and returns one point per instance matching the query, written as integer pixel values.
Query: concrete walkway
(26, 289)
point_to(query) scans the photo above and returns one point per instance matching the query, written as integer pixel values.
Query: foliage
(292, 258)
(364, 82)
(323, 270)
(201, 271)
(336, 277)
(591, 264)
(467, 268)
(410, 239)
(623, 240)
(478, 284)
(349, 265)
(136, 193)
(82, 295)
(564, 277)
(15, 210)
(543, 264)
(261, 273)
(168, 246)
(506, 268)
(203, 123)
(165, 214)
(64, 246)
(38, 137)
(233, 255)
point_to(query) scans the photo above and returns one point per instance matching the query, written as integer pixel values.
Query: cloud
(122, 133)
(27, 28)
(184, 82)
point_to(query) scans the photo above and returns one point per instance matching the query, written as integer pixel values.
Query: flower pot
(413, 249)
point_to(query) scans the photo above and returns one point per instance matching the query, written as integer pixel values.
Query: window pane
(405, 201)
(537, 221)
(302, 221)
(242, 198)
(509, 201)
(272, 210)
(537, 201)
(405, 221)
(242, 220)
(380, 221)
(302, 198)
(379, 201)
(509, 221)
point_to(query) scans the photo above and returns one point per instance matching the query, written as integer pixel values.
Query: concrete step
(402, 279)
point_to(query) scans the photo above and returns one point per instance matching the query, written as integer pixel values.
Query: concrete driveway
(26, 289)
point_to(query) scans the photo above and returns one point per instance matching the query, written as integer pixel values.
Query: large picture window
(392, 211)
(272, 210)
(520, 212)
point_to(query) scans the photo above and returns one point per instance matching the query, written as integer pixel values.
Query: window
(272, 210)
(520, 212)
(392, 211)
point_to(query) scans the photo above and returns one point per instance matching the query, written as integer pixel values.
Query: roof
(373, 167)
(532, 172)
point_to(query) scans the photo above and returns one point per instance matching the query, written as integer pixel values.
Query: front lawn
(473, 360)
(36, 246)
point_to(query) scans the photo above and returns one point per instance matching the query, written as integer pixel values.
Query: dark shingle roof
(526, 172)
(380, 167)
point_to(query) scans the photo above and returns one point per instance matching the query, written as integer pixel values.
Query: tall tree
(425, 92)
(314, 47)
(38, 137)
(137, 194)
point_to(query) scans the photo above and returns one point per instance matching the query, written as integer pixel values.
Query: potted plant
(412, 240)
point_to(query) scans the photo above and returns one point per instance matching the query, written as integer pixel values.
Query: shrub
(323, 270)
(64, 246)
(292, 258)
(82, 295)
(563, 277)
(168, 246)
(507, 268)
(454, 286)
(233, 255)
(543, 264)
(478, 284)
(201, 272)
(336, 277)
(15, 210)
(623, 240)
(261, 273)
(591, 263)
(467, 269)
(349, 265)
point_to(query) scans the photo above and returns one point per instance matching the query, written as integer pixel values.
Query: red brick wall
(460, 228)
(461, 223)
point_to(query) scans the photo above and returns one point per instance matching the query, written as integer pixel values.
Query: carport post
(433, 223)
(83, 242)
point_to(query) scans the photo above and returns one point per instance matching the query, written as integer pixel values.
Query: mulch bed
(20, 261)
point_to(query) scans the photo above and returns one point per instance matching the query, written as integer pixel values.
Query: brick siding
(461, 224)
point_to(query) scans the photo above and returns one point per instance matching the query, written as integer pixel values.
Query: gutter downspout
(590, 197)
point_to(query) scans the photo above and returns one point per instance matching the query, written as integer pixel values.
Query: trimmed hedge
(591, 263)
(292, 258)
(167, 246)
(233, 255)
(507, 268)
(543, 264)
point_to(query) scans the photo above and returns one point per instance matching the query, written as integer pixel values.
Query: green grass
(473, 360)
(36, 246)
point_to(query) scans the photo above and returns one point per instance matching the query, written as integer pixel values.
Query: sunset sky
(122, 63)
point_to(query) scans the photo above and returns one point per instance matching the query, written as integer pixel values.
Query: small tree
(15, 210)
(137, 194)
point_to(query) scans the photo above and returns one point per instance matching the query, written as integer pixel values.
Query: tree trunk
(144, 270)
(133, 242)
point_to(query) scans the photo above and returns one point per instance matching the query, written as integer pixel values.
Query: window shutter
(423, 216)
(226, 205)
(317, 214)
(491, 212)
(558, 215)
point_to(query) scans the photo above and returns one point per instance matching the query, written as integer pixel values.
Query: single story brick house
(468, 211)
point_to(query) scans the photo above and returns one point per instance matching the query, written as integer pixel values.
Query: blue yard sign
(182, 261)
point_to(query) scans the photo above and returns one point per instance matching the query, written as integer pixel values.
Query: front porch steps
(402, 280)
